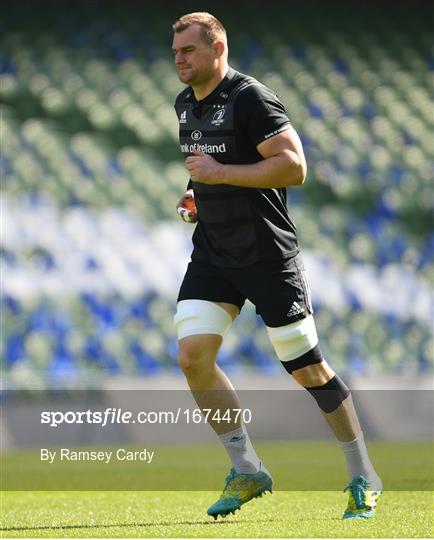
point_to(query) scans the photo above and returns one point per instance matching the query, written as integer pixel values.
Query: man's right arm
(186, 206)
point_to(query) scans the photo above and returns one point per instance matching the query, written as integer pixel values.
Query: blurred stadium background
(92, 249)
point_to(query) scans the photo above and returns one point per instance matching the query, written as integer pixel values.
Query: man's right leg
(201, 326)
(210, 386)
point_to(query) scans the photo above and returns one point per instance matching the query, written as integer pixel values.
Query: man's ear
(219, 47)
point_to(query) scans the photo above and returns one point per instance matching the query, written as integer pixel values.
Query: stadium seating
(91, 173)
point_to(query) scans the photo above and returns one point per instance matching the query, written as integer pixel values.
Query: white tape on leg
(293, 340)
(200, 317)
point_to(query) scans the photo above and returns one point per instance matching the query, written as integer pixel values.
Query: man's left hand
(204, 168)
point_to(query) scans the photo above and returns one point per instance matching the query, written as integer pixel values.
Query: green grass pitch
(183, 514)
(167, 514)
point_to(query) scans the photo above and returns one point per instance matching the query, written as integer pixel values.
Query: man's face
(194, 58)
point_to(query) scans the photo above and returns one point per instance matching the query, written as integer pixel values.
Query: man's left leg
(296, 344)
(335, 401)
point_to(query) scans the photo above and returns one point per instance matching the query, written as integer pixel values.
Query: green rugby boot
(239, 489)
(362, 501)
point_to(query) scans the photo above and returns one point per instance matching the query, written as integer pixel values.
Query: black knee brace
(314, 356)
(330, 395)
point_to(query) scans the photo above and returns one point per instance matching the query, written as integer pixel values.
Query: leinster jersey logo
(218, 117)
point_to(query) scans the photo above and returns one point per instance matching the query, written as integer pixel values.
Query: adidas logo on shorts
(295, 309)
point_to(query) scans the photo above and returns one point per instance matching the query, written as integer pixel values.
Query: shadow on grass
(113, 525)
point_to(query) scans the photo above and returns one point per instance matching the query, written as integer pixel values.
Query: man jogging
(242, 153)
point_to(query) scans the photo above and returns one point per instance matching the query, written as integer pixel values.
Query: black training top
(236, 226)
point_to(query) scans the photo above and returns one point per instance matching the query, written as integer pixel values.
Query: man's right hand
(186, 207)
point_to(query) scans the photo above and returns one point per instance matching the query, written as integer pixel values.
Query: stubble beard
(188, 78)
(195, 78)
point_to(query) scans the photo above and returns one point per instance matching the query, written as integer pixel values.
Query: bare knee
(190, 361)
(197, 354)
(314, 375)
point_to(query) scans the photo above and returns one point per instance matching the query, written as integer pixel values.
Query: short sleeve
(262, 113)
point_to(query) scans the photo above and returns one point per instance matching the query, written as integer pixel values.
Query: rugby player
(242, 153)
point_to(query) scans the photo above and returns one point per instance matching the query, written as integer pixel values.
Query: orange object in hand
(186, 207)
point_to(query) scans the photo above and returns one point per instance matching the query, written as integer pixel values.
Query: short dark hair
(212, 28)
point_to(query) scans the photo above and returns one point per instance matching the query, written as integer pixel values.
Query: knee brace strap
(314, 356)
(200, 317)
(330, 395)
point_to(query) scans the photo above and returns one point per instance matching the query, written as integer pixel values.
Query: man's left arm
(283, 165)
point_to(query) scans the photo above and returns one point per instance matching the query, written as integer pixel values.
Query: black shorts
(279, 289)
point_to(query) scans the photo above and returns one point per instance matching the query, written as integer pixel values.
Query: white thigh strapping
(200, 317)
(293, 340)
